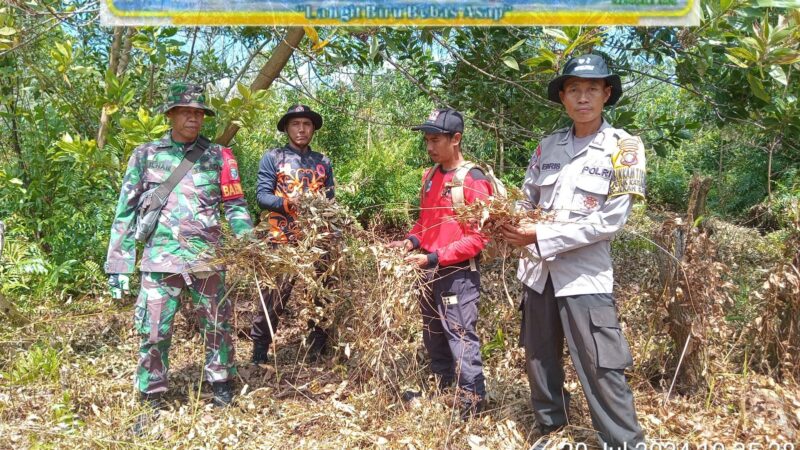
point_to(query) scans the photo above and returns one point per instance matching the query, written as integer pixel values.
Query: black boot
(471, 406)
(260, 353)
(223, 393)
(443, 383)
(152, 404)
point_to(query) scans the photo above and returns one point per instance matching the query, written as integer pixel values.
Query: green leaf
(540, 62)
(777, 73)
(778, 36)
(7, 31)
(784, 56)
(373, 47)
(752, 43)
(110, 108)
(758, 88)
(143, 116)
(559, 35)
(511, 62)
(743, 53)
(736, 61)
(515, 46)
(243, 91)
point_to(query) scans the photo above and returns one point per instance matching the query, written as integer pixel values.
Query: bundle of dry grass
(497, 212)
(379, 322)
(350, 283)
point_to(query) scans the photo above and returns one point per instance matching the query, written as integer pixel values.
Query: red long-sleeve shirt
(437, 231)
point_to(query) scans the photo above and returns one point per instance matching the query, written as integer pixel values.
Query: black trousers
(449, 307)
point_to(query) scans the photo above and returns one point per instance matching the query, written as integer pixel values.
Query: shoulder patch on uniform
(229, 181)
(629, 168)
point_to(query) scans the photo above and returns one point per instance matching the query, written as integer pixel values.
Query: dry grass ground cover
(66, 379)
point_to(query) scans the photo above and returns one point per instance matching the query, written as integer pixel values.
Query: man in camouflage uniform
(283, 174)
(180, 251)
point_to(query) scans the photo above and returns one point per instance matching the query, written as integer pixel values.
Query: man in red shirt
(449, 255)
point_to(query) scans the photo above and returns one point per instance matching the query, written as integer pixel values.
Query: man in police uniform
(179, 253)
(588, 175)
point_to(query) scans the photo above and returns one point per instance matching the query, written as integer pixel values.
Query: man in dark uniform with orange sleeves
(283, 175)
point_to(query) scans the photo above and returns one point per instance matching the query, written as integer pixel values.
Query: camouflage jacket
(284, 171)
(189, 225)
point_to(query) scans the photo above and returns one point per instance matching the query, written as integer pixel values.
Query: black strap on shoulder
(196, 150)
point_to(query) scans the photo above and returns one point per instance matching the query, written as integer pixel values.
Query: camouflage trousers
(156, 306)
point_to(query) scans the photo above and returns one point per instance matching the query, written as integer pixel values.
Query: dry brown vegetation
(66, 377)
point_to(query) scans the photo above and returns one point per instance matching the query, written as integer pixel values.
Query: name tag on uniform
(449, 299)
(597, 171)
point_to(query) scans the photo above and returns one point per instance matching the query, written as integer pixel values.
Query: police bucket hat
(442, 121)
(586, 66)
(300, 111)
(188, 95)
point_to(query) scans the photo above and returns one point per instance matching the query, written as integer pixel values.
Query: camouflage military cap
(189, 95)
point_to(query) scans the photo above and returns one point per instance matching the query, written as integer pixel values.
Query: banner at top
(393, 13)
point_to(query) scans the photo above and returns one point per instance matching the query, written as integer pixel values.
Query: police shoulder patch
(629, 168)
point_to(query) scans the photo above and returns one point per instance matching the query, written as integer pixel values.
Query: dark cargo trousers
(598, 351)
(449, 307)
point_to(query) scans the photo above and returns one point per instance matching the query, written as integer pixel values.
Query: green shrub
(667, 183)
(380, 182)
(40, 364)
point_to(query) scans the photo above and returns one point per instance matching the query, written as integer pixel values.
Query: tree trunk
(698, 194)
(15, 139)
(685, 313)
(125, 53)
(772, 146)
(116, 44)
(268, 73)
(191, 55)
(113, 64)
(501, 147)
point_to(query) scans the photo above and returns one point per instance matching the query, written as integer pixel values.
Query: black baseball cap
(586, 66)
(442, 121)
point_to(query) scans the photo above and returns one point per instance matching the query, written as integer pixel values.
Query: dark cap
(586, 66)
(188, 95)
(295, 111)
(442, 121)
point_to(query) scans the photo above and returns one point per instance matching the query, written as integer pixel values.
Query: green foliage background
(720, 100)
